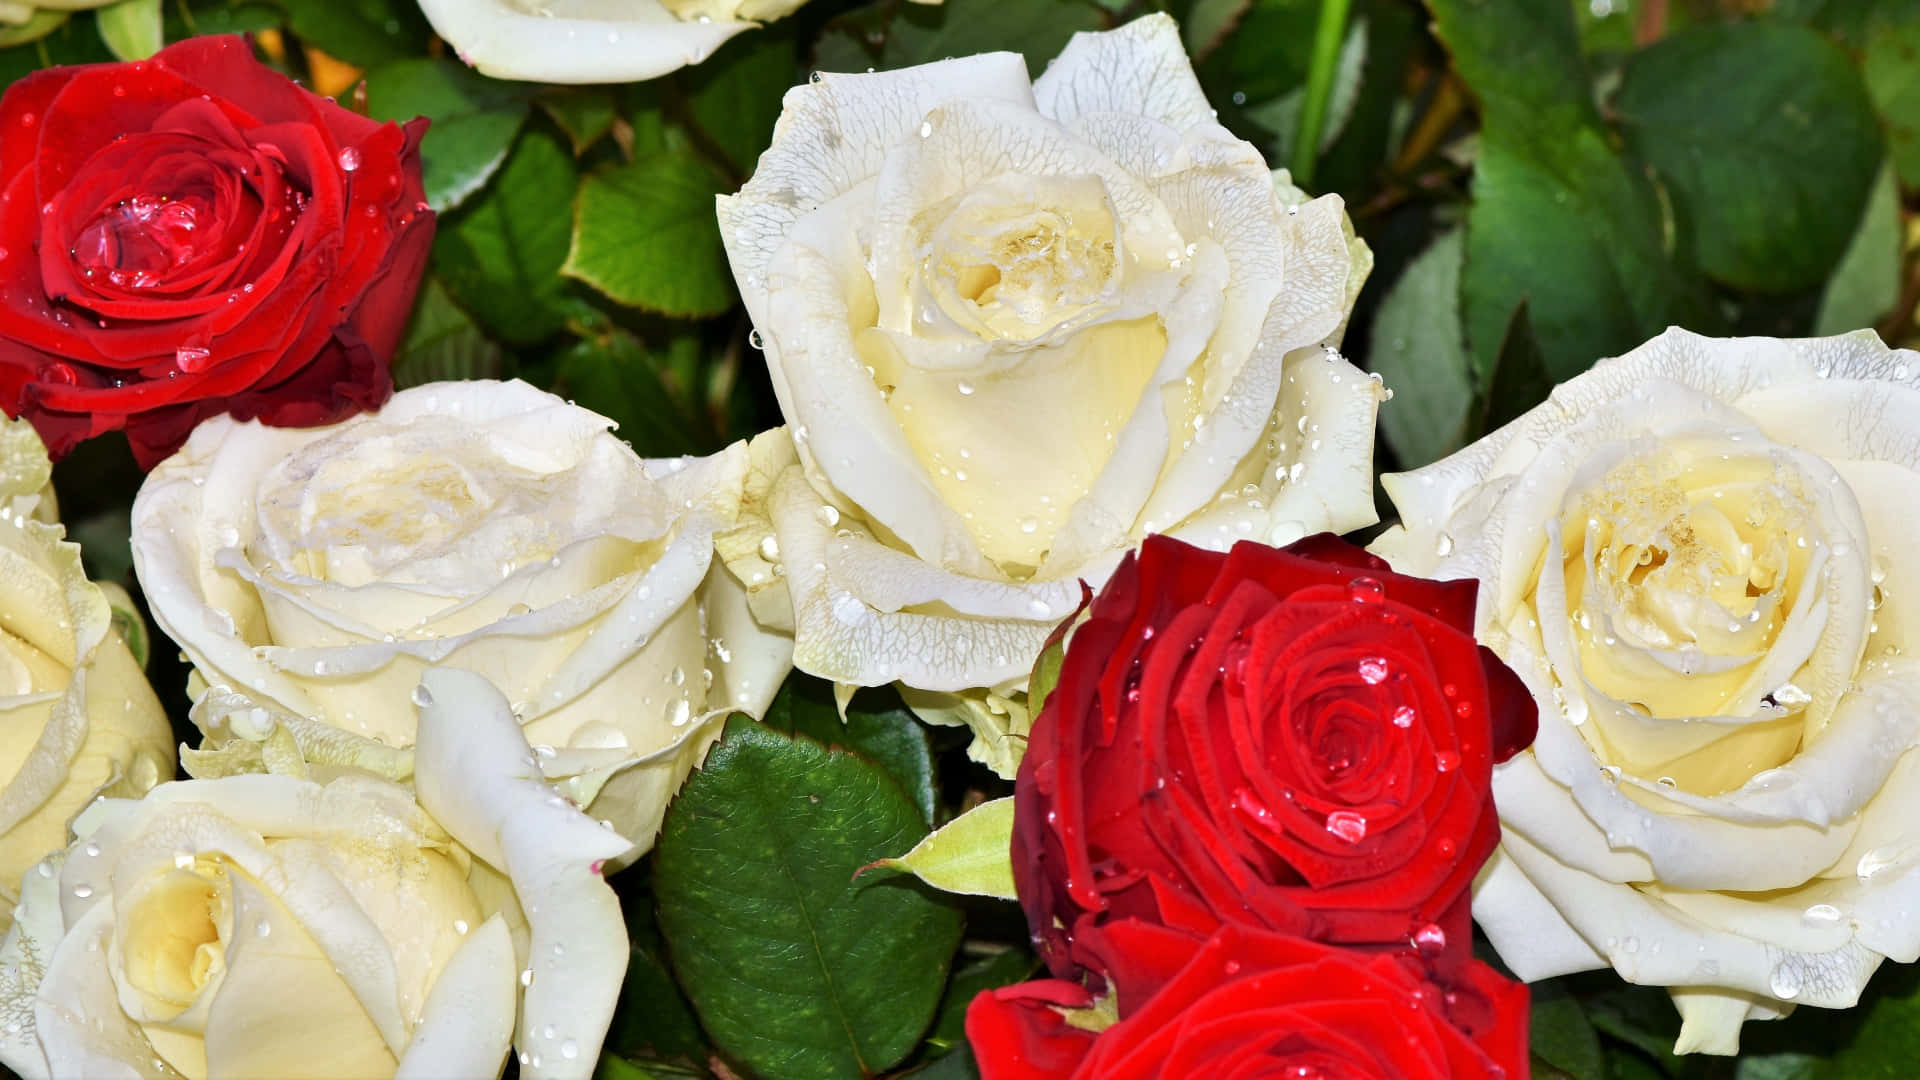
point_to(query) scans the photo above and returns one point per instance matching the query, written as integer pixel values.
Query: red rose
(1253, 1004)
(195, 234)
(1294, 739)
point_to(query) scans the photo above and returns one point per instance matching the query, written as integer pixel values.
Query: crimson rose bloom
(1297, 739)
(194, 234)
(1252, 1004)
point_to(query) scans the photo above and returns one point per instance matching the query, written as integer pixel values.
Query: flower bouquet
(761, 541)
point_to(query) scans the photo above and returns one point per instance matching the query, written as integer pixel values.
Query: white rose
(1015, 327)
(593, 41)
(275, 927)
(312, 575)
(77, 718)
(1701, 557)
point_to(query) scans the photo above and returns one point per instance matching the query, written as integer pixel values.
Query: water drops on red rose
(191, 359)
(1403, 717)
(62, 374)
(1347, 825)
(1374, 670)
(1446, 847)
(1446, 761)
(349, 159)
(1463, 709)
(1430, 939)
(1366, 590)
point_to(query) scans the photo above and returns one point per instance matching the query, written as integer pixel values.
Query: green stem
(1327, 35)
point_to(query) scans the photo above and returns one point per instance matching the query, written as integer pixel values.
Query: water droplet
(965, 387)
(754, 339)
(1446, 761)
(926, 129)
(1347, 825)
(1403, 716)
(83, 891)
(1373, 670)
(1820, 915)
(349, 159)
(827, 516)
(1430, 939)
(263, 928)
(569, 1049)
(770, 548)
(1785, 983)
(1366, 590)
(1029, 526)
(1040, 609)
(422, 697)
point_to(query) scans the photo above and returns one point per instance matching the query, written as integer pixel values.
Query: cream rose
(1014, 327)
(77, 718)
(593, 41)
(312, 575)
(270, 926)
(1701, 557)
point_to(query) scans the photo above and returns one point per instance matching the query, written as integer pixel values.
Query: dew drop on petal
(349, 159)
(1785, 983)
(1373, 670)
(1820, 915)
(1446, 761)
(1347, 825)
(1366, 590)
(1430, 939)
(1403, 716)
(422, 697)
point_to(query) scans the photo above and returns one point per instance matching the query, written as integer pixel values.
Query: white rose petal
(580, 41)
(313, 575)
(1699, 558)
(263, 925)
(1015, 327)
(77, 718)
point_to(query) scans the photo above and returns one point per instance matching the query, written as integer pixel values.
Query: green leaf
(795, 969)
(1768, 140)
(1892, 70)
(1418, 348)
(474, 121)
(734, 95)
(131, 28)
(75, 41)
(500, 254)
(653, 1018)
(888, 735)
(1562, 1037)
(1265, 56)
(905, 34)
(1281, 115)
(1557, 220)
(970, 854)
(221, 17)
(645, 234)
(618, 378)
(1866, 284)
(958, 1065)
(1520, 380)
(1210, 22)
(42, 22)
(585, 113)
(365, 33)
(990, 972)
(1787, 1066)
(443, 344)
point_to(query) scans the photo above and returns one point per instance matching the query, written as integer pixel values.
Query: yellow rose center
(1681, 570)
(175, 934)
